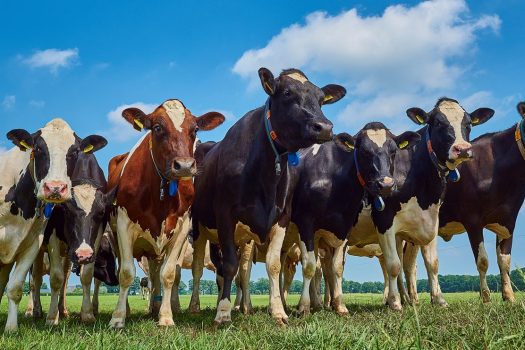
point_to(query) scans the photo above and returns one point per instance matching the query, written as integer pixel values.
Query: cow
(105, 266)
(154, 192)
(144, 288)
(31, 182)
(334, 179)
(489, 196)
(244, 183)
(411, 213)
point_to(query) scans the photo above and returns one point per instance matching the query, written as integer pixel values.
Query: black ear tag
(379, 203)
(454, 175)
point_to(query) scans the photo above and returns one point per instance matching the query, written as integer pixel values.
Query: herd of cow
(280, 188)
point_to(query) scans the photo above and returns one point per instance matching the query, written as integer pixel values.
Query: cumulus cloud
(53, 59)
(120, 129)
(420, 50)
(9, 101)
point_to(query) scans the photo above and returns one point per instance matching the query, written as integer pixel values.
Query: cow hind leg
(86, 276)
(5, 270)
(410, 270)
(62, 305)
(388, 244)
(96, 292)
(245, 270)
(56, 279)
(327, 267)
(382, 263)
(338, 262)
(273, 268)
(175, 299)
(309, 265)
(430, 256)
(155, 300)
(503, 251)
(197, 267)
(482, 262)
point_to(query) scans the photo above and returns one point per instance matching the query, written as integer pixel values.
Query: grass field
(466, 324)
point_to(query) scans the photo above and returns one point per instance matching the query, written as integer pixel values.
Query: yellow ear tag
(327, 98)
(88, 148)
(349, 145)
(403, 144)
(268, 87)
(139, 124)
(25, 145)
(475, 121)
(419, 119)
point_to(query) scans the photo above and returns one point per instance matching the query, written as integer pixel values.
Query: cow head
(173, 135)
(375, 148)
(449, 129)
(54, 152)
(521, 109)
(295, 108)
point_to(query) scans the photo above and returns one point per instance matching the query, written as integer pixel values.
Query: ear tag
(419, 119)
(173, 188)
(349, 145)
(475, 121)
(48, 210)
(25, 145)
(454, 175)
(379, 203)
(138, 123)
(88, 149)
(293, 159)
(327, 98)
(403, 144)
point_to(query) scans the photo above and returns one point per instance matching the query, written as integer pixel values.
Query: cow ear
(521, 109)
(333, 93)
(92, 143)
(109, 198)
(417, 115)
(407, 139)
(21, 138)
(210, 120)
(345, 142)
(481, 115)
(267, 80)
(137, 118)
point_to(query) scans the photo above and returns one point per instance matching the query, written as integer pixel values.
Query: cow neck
(442, 169)
(379, 203)
(163, 180)
(41, 207)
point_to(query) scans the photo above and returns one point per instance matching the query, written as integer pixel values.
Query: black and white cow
(411, 214)
(244, 184)
(333, 181)
(30, 183)
(489, 195)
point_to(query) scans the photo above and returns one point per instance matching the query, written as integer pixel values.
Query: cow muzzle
(321, 131)
(55, 191)
(183, 167)
(461, 151)
(84, 253)
(386, 186)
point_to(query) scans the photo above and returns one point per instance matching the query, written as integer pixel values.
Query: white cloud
(53, 59)
(421, 51)
(37, 103)
(120, 129)
(9, 101)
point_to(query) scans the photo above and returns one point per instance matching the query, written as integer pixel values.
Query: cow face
(54, 151)
(521, 109)
(295, 108)
(173, 135)
(374, 149)
(449, 128)
(84, 220)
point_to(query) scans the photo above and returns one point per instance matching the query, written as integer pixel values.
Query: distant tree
(182, 288)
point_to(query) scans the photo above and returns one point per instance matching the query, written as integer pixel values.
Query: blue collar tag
(48, 210)
(454, 175)
(293, 159)
(173, 188)
(379, 203)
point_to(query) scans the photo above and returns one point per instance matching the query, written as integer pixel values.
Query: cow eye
(157, 128)
(287, 93)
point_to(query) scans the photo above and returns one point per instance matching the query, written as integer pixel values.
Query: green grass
(466, 324)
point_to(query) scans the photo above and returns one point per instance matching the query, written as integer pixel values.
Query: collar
(173, 185)
(518, 136)
(293, 158)
(42, 208)
(378, 202)
(443, 171)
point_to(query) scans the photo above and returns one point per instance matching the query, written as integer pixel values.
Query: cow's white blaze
(454, 114)
(176, 112)
(297, 76)
(377, 136)
(84, 196)
(59, 138)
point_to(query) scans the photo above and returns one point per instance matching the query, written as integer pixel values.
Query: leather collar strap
(442, 169)
(378, 202)
(173, 186)
(272, 137)
(362, 181)
(518, 136)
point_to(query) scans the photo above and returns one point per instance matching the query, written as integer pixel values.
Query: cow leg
(155, 299)
(315, 287)
(5, 270)
(482, 262)
(96, 292)
(62, 307)
(288, 275)
(197, 267)
(238, 294)
(86, 276)
(126, 270)
(230, 266)
(338, 261)
(309, 264)
(56, 279)
(382, 263)
(16, 283)
(410, 269)
(503, 251)
(245, 271)
(430, 256)
(34, 306)
(175, 300)
(388, 244)
(326, 263)
(273, 268)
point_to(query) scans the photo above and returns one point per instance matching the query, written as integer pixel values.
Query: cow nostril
(317, 127)
(176, 165)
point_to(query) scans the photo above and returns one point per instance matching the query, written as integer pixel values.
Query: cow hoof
(485, 296)
(166, 322)
(341, 310)
(509, 298)
(28, 313)
(37, 314)
(87, 318)
(282, 320)
(117, 323)
(195, 309)
(303, 310)
(52, 321)
(10, 328)
(65, 314)
(396, 306)
(440, 302)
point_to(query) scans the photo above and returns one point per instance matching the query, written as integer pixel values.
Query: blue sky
(84, 61)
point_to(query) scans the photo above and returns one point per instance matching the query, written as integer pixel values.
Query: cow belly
(450, 229)
(369, 250)
(329, 238)
(415, 224)
(242, 234)
(364, 232)
(17, 234)
(501, 231)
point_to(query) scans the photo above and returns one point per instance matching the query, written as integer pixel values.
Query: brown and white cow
(155, 191)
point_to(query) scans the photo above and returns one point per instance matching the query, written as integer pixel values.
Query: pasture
(466, 324)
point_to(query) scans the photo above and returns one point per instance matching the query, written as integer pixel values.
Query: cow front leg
(430, 256)
(338, 261)
(410, 270)
(387, 241)
(245, 271)
(96, 292)
(34, 308)
(5, 270)
(230, 266)
(273, 268)
(309, 264)
(86, 276)
(175, 299)
(503, 251)
(289, 270)
(482, 262)
(155, 299)
(315, 288)
(197, 267)
(382, 263)
(328, 275)
(56, 279)
(62, 305)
